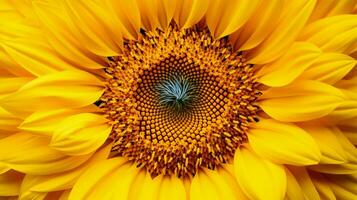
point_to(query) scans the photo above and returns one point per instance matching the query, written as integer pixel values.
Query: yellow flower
(196, 99)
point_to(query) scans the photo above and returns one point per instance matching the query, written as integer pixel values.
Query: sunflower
(195, 99)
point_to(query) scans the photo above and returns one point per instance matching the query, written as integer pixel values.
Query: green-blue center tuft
(177, 93)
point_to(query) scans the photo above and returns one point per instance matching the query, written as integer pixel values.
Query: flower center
(177, 93)
(179, 100)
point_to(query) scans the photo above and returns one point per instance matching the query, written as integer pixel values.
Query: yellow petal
(30, 154)
(321, 9)
(342, 7)
(301, 101)
(90, 28)
(122, 180)
(333, 34)
(344, 42)
(331, 7)
(216, 183)
(126, 15)
(290, 65)
(64, 180)
(189, 12)
(84, 136)
(148, 12)
(66, 89)
(343, 186)
(3, 168)
(8, 121)
(224, 17)
(349, 126)
(57, 28)
(305, 182)
(260, 25)
(203, 188)
(111, 27)
(349, 167)
(9, 85)
(343, 113)
(45, 122)
(17, 30)
(94, 175)
(9, 12)
(172, 188)
(345, 168)
(25, 9)
(24, 51)
(33, 196)
(283, 143)
(331, 150)
(10, 183)
(36, 57)
(149, 187)
(349, 86)
(9, 67)
(312, 31)
(228, 174)
(351, 135)
(292, 20)
(253, 174)
(156, 13)
(139, 181)
(330, 68)
(350, 149)
(322, 186)
(293, 189)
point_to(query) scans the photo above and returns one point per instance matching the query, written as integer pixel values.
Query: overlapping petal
(65, 89)
(8, 122)
(58, 32)
(289, 66)
(157, 13)
(253, 174)
(90, 180)
(259, 26)
(291, 22)
(31, 154)
(283, 143)
(33, 184)
(46, 121)
(343, 186)
(125, 16)
(85, 136)
(232, 15)
(209, 184)
(322, 186)
(325, 8)
(331, 150)
(304, 180)
(330, 68)
(92, 27)
(333, 34)
(301, 101)
(190, 12)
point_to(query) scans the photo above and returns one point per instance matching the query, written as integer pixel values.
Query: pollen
(179, 100)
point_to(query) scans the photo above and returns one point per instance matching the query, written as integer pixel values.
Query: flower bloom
(242, 99)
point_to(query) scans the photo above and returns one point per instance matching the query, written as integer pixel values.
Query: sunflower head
(179, 100)
(169, 99)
